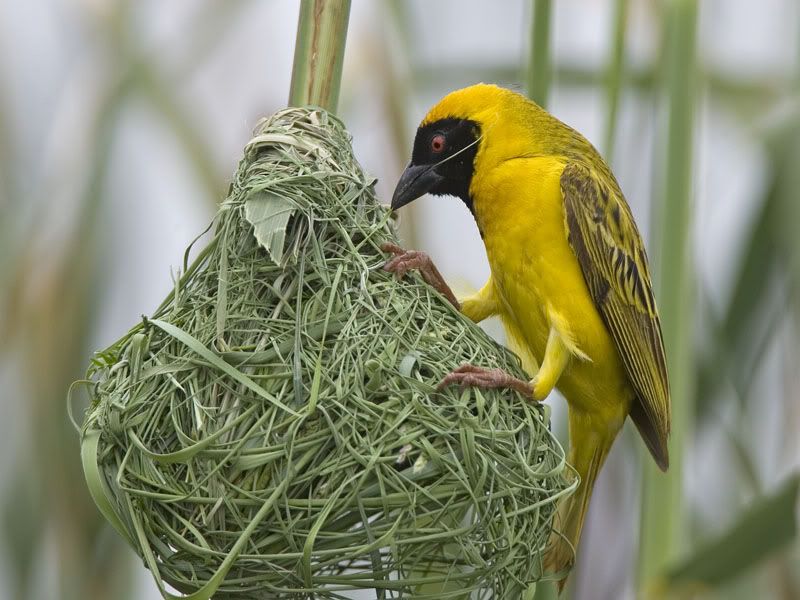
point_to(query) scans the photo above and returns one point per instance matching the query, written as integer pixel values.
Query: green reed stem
(539, 68)
(614, 78)
(319, 53)
(663, 522)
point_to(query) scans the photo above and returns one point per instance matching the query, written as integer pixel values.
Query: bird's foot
(404, 261)
(480, 377)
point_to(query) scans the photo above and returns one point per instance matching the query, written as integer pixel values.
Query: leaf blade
(766, 527)
(269, 215)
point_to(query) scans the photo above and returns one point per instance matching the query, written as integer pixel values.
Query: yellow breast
(520, 212)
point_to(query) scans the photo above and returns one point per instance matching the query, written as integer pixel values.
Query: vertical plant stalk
(614, 75)
(663, 524)
(539, 69)
(537, 79)
(397, 66)
(319, 53)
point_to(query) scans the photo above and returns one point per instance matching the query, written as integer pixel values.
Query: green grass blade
(220, 364)
(662, 530)
(769, 525)
(739, 332)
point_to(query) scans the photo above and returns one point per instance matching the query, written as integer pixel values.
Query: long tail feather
(587, 460)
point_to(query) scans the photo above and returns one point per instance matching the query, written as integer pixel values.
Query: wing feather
(604, 237)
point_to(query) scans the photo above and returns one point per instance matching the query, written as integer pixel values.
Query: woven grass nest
(273, 430)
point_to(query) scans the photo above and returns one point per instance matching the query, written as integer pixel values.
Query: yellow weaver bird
(569, 274)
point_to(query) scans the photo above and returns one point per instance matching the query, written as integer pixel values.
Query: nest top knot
(273, 430)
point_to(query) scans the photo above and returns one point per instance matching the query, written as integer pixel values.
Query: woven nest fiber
(273, 429)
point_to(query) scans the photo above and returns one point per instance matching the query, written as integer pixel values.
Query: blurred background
(121, 123)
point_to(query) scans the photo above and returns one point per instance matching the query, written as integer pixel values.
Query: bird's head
(451, 140)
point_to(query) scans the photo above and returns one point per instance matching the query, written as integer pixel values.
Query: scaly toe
(396, 265)
(449, 379)
(473, 376)
(392, 248)
(468, 368)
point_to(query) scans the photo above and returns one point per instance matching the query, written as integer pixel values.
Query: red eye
(437, 143)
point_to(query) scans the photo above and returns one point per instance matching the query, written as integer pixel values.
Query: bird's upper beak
(414, 182)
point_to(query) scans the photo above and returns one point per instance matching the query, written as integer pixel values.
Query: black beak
(414, 182)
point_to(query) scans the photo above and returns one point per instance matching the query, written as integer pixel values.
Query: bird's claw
(481, 377)
(404, 261)
(392, 248)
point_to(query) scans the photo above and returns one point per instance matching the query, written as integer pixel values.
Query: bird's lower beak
(414, 182)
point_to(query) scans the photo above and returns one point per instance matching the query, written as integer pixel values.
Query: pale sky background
(57, 67)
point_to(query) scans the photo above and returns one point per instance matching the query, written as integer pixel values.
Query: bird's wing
(604, 237)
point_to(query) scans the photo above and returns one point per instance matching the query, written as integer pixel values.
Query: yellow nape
(467, 102)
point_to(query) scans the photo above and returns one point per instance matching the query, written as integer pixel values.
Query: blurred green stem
(616, 66)
(140, 73)
(319, 53)
(399, 83)
(764, 528)
(538, 76)
(663, 529)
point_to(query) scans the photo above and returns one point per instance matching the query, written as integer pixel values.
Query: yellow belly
(537, 278)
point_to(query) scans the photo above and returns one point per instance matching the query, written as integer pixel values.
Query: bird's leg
(409, 260)
(481, 305)
(556, 357)
(480, 377)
